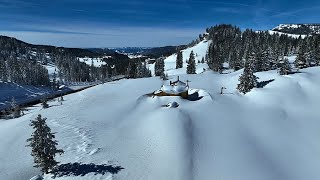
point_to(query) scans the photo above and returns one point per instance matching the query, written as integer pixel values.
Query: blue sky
(117, 23)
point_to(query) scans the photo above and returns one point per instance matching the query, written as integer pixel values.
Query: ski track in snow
(80, 138)
(192, 142)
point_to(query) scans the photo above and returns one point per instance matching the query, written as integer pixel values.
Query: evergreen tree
(44, 103)
(262, 62)
(44, 145)
(142, 70)
(202, 60)
(191, 67)
(316, 50)
(132, 70)
(3, 70)
(301, 59)
(54, 81)
(164, 76)
(217, 62)
(284, 67)
(272, 59)
(159, 67)
(317, 56)
(247, 80)
(179, 60)
(16, 111)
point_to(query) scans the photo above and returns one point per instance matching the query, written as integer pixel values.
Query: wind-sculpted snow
(272, 132)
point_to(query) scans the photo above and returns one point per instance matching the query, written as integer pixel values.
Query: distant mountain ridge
(152, 52)
(298, 29)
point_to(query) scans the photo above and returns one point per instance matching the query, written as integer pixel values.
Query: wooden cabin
(176, 88)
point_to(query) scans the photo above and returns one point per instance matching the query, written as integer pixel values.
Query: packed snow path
(270, 133)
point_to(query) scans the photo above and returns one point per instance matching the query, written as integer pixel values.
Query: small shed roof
(176, 89)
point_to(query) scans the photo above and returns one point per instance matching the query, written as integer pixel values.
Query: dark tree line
(231, 45)
(25, 63)
(23, 72)
(138, 69)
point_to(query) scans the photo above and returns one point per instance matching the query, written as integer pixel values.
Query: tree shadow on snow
(264, 83)
(294, 72)
(78, 169)
(194, 96)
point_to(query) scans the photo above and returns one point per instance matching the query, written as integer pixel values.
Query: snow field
(97, 62)
(200, 52)
(270, 133)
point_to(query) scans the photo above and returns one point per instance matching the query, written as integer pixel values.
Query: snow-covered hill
(288, 34)
(298, 29)
(269, 133)
(199, 50)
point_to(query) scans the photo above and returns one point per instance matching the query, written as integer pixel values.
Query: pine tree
(54, 81)
(284, 67)
(316, 50)
(262, 62)
(16, 111)
(179, 60)
(191, 67)
(217, 63)
(164, 76)
(202, 60)
(317, 56)
(3, 70)
(247, 80)
(159, 67)
(132, 70)
(44, 103)
(44, 145)
(301, 59)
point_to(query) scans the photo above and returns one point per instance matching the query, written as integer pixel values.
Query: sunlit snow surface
(199, 51)
(269, 133)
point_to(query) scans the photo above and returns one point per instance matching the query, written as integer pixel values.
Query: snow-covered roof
(179, 83)
(175, 89)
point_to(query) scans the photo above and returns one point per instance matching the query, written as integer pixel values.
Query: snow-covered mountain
(298, 29)
(151, 52)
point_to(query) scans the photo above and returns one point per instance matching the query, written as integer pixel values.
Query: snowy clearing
(97, 62)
